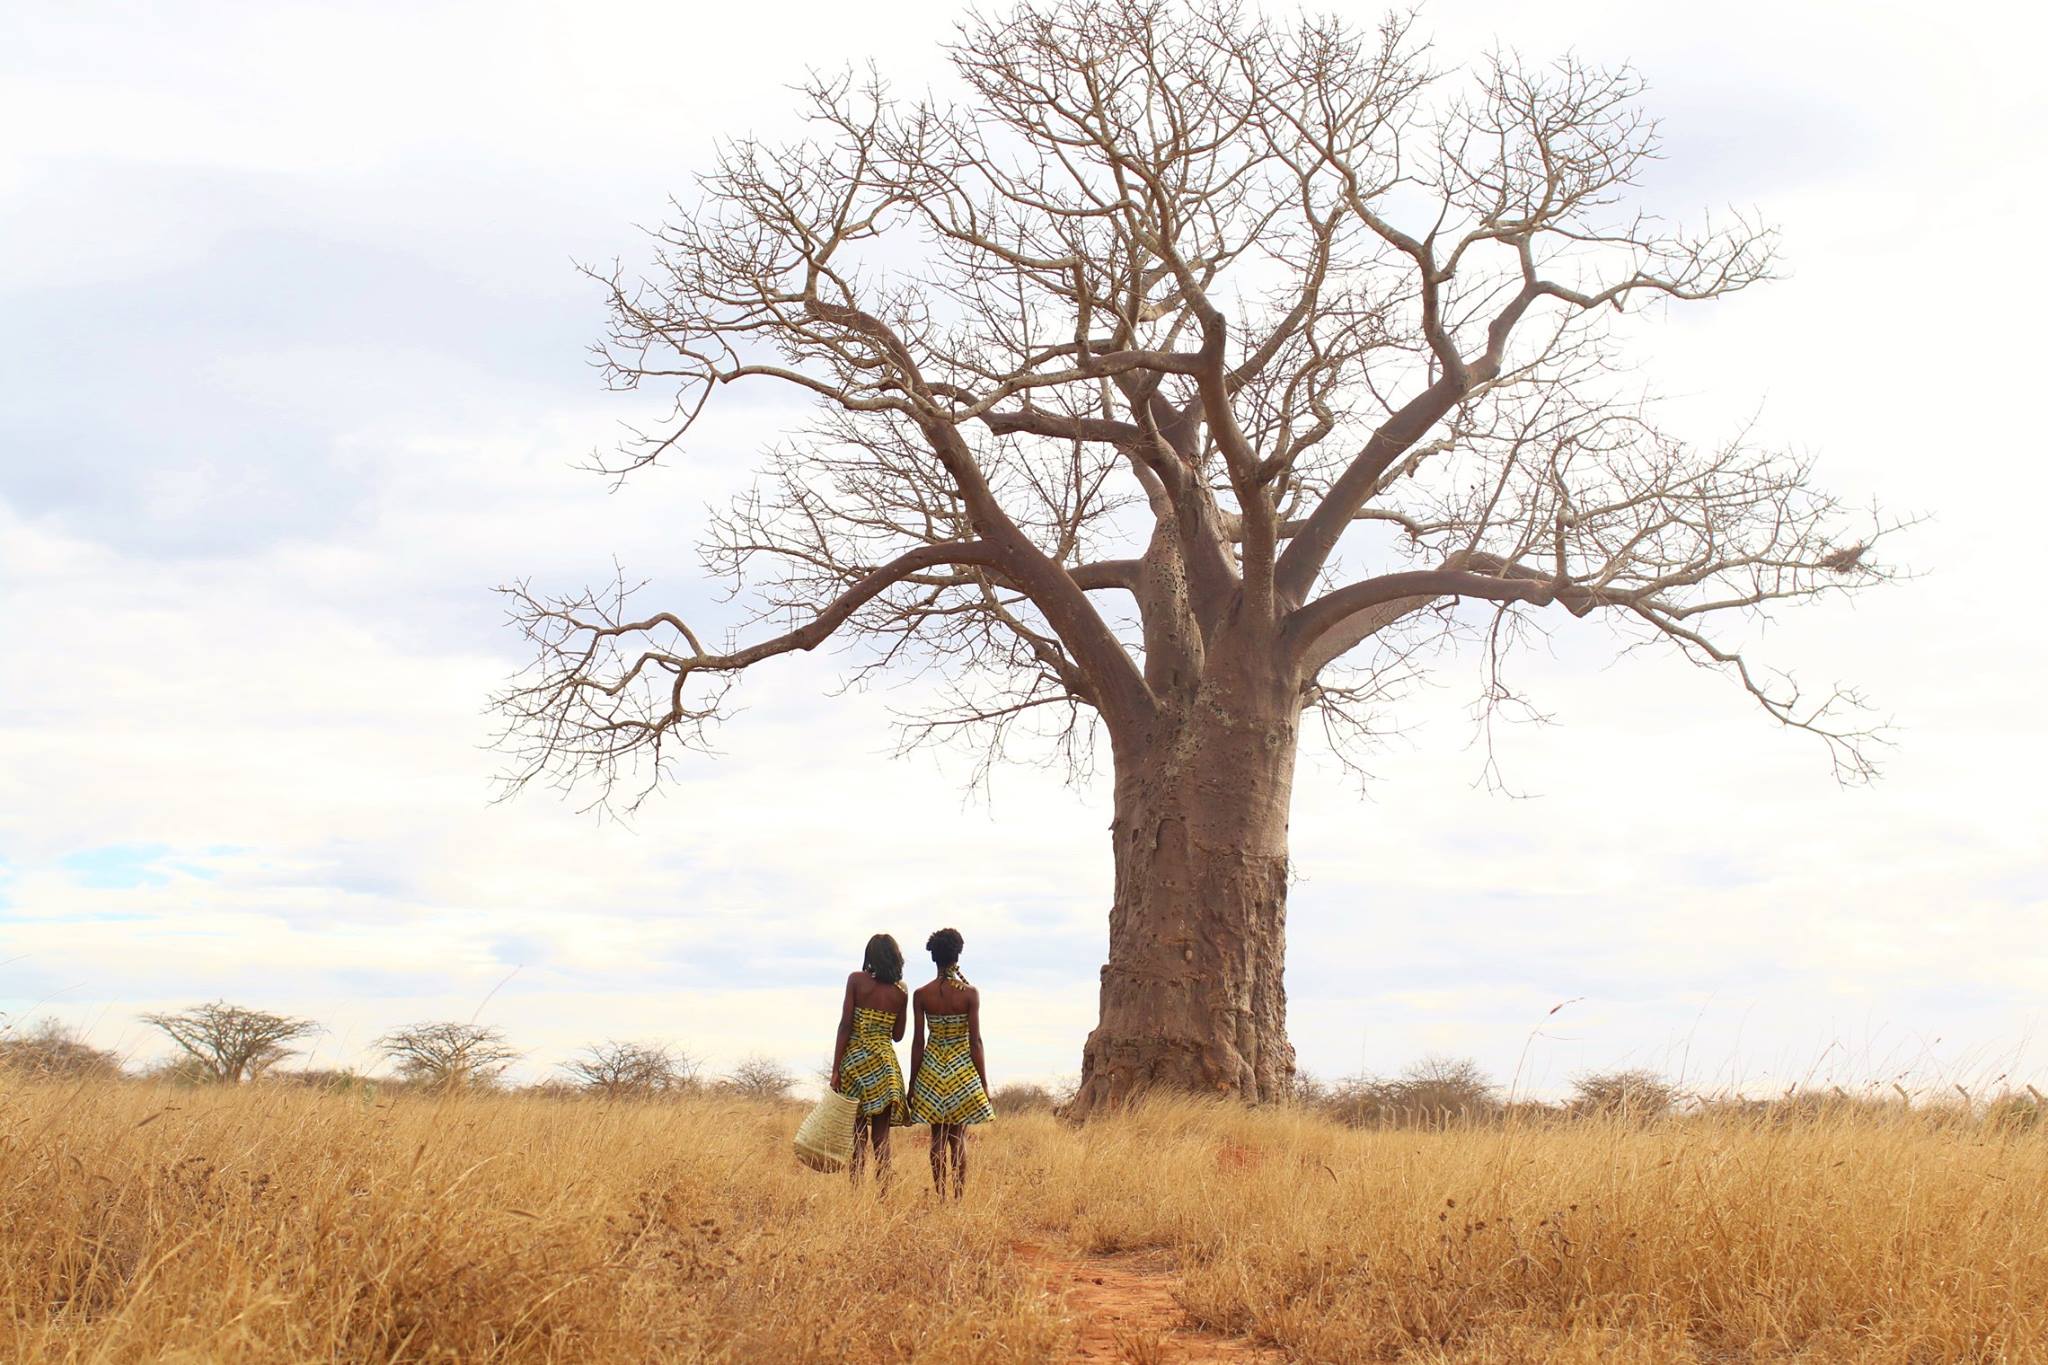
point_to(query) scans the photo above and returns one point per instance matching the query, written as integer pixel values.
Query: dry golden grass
(269, 1224)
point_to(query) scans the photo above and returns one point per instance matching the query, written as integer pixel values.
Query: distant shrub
(1356, 1101)
(1809, 1104)
(1813, 1104)
(2023, 1112)
(181, 1071)
(617, 1070)
(448, 1055)
(1307, 1089)
(329, 1080)
(1943, 1112)
(758, 1078)
(1440, 1090)
(1629, 1094)
(1434, 1092)
(1023, 1097)
(51, 1049)
(1533, 1111)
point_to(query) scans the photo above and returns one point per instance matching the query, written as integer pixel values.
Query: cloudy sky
(292, 372)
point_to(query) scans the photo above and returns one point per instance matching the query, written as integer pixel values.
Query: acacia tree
(1632, 1093)
(448, 1054)
(619, 1070)
(229, 1043)
(1192, 375)
(759, 1078)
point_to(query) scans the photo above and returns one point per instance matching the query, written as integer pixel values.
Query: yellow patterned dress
(947, 1088)
(868, 1073)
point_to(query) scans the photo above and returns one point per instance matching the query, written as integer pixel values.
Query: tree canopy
(1179, 311)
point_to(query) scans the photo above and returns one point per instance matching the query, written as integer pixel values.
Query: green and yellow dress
(947, 1088)
(868, 1073)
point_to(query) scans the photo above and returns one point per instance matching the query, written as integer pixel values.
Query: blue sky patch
(119, 867)
(123, 867)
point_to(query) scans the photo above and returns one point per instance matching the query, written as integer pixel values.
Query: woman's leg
(878, 1139)
(861, 1139)
(939, 1158)
(956, 1139)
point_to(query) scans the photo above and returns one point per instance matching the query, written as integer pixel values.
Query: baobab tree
(1191, 375)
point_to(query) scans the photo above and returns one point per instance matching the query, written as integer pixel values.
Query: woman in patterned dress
(949, 1078)
(864, 1068)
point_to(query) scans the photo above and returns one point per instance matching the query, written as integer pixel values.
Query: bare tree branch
(1172, 326)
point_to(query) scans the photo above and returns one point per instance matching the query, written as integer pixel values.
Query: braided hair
(884, 960)
(945, 946)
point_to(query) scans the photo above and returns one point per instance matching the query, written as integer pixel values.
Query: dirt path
(1127, 1312)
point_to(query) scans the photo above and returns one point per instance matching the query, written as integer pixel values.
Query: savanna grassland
(267, 1223)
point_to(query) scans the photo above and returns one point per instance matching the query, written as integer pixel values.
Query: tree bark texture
(1192, 994)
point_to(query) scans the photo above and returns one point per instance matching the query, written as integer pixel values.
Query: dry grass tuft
(287, 1223)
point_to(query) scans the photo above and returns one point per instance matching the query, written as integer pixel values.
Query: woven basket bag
(824, 1141)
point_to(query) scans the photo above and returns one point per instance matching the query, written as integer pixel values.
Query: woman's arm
(917, 1043)
(974, 1037)
(902, 1012)
(845, 1034)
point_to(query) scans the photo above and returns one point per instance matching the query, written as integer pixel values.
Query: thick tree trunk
(1192, 995)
